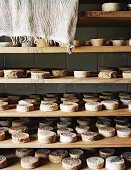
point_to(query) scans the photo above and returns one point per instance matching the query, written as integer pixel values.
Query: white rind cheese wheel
(28, 101)
(57, 156)
(95, 162)
(107, 131)
(13, 73)
(21, 153)
(48, 107)
(69, 107)
(71, 164)
(46, 137)
(20, 129)
(106, 152)
(4, 106)
(93, 106)
(126, 74)
(29, 162)
(125, 101)
(3, 162)
(81, 129)
(126, 156)
(123, 132)
(76, 153)
(24, 107)
(81, 74)
(68, 137)
(107, 74)
(2, 135)
(63, 130)
(20, 138)
(110, 104)
(42, 153)
(40, 75)
(89, 136)
(115, 163)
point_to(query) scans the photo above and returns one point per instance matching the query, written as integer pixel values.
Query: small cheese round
(68, 137)
(29, 162)
(44, 123)
(95, 162)
(129, 105)
(122, 125)
(68, 100)
(71, 164)
(126, 74)
(18, 129)
(115, 163)
(42, 153)
(4, 106)
(63, 130)
(63, 125)
(48, 107)
(106, 152)
(110, 104)
(40, 75)
(81, 74)
(20, 138)
(91, 99)
(24, 152)
(46, 137)
(81, 129)
(126, 156)
(107, 131)
(123, 132)
(76, 153)
(57, 156)
(28, 101)
(69, 107)
(125, 101)
(24, 107)
(13, 73)
(93, 106)
(2, 135)
(3, 162)
(107, 74)
(89, 136)
(59, 73)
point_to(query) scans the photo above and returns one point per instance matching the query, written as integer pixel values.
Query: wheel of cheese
(57, 156)
(46, 137)
(59, 73)
(19, 129)
(40, 75)
(2, 135)
(44, 123)
(122, 125)
(48, 107)
(81, 74)
(18, 123)
(126, 156)
(63, 125)
(20, 138)
(69, 107)
(42, 153)
(5, 123)
(13, 73)
(76, 153)
(71, 164)
(81, 129)
(91, 99)
(24, 152)
(126, 101)
(24, 107)
(40, 129)
(95, 162)
(3, 162)
(64, 130)
(1, 73)
(107, 131)
(129, 105)
(89, 136)
(123, 132)
(106, 152)
(107, 74)
(48, 101)
(69, 95)
(124, 95)
(103, 123)
(29, 162)
(126, 74)
(28, 101)
(93, 106)
(115, 163)
(68, 137)
(66, 119)
(53, 95)
(84, 121)
(110, 104)
(121, 119)
(4, 106)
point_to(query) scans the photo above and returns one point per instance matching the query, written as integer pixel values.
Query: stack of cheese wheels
(81, 74)
(29, 162)
(42, 153)
(19, 129)
(13, 73)
(3, 162)
(48, 107)
(106, 152)
(63, 125)
(76, 153)
(123, 132)
(81, 129)
(40, 75)
(69, 107)
(57, 156)
(110, 104)
(1, 73)
(106, 131)
(4, 106)
(24, 152)
(95, 162)
(115, 163)
(93, 106)
(25, 107)
(126, 156)
(46, 137)
(126, 74)
(59, 73)
(20, 138)
(68, 137)
(89, 136)
(71, 163)
(84, 121)
(2, 135)
(107, 74)
(63, 130)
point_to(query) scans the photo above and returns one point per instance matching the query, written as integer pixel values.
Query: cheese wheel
(3, 162)
(13, 73)
(48, 101)
(89, 136)
(64, 130)
(59, 73)
(24, 107)
(42, 153)
(40, 129)
(125, 101)
(84, 121)
(48, 107)
(124, 95)
(126, 74)
(68, 137)
(110, 104)
(28, 101)
(29, 162)
(107, 74)
(81, 129)
(76, 153)
(45, 123)
(107, 131)
(95, 162)
(90, 95)
(71, 164)
(4, 106)
(19, 129)
(126, 156)
(123, 132)
(93, 106)
(106, 152)
(53, 95)
(115, 163)
(57, 156)
(122, 125)
(24, 152)
(66, 119)
(20, 138)
(63, 125)
(55, 99)
(69, 95)
(2, 135)
(46, 137)
(18, 123)
(91, 99)
(40, 75)
(1, 73)
(81, 74)
(103, 123)
(5, 123)
(69, 107)
(121, 119)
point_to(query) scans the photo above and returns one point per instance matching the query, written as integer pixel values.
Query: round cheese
(29, 162)
(68, 137)
(89, 136)
(40, 129)
(4, 106)
(16, 123)
(115, 163)
(24, 152)
(123, 132)
(69, 95)
(46, 137)
(93, 106)
(13, 73)
(3, 162)
(42, 153)
(107, 131)
(20, 138)
(18, 129)
(57, 156)
(64, 130)
(76, 153)
(126, 74)
(40, 75)
(69, 107)
(63, 125)
(106, 152)
(48, 107)
(107, 74)
(59, 73)
(24, 107)
(110, 104)
(126, 156)
(95, 162)
(81, 74)
(81, 129)
(71, 164)
(84, 121)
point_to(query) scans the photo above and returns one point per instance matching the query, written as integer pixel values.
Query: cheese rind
(29, 162)
(20, 129)
(89, 136)
(69, 107)
(20, 138)
(106, 152)
(59, 73)
(40, 75)
(48, 107)
(107, 131)
(71, 164)
(95, 162)
(46, 137)
(107, 74)
(68, 137)
(76, 153)
(81, 74)
(13, 73)
(24, 152)
(24, 107)
(81, 129)
(3, 162)
(4, 106)
(93, 106)
(57, 156)
(115, 163)
(42, 153)
(123, 132)
(110, 104)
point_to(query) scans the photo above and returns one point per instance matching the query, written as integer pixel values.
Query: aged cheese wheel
(3, 162)
(110, 104)
(91, 99)
(93, 106)
(63, 130)
(68, 137)
(95, 162)
(63, 125)
(76, 153)
(84, 121)
(81, 129)
(126, 74)
(69, 100)
(89, 136)
(107, 74)
(71, 164)
(106, 152)
(69, 107)
(19, 129)
(124, 95)
(40, 75)
(125, 101)
(46, 137)
(57, 156)
(20, 138)
(123, 132)
(115, 163)
(13, 73)
(4, 99)
(90, 95)
(42, 153)
(69, 95)
(81, 74)
(103, 123)
(107, 131)
(18, 123)
(126, 156)
(29, 162)
(121, 119)
(2, 135)
(40, 129)
(24, 152)
(4, 106)
(24, 107)
(122, 125)
(1, 73)
(48, 107)
(59, 73)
